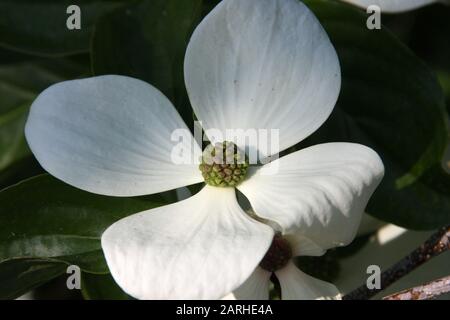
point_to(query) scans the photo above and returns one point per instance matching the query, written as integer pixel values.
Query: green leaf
(18, 276)
(13, 146)
(429, 36)
(39, 27)
(20, 170)
(148, 41)
(444, 79)
(325, 267)
(20, 82)
(391, 102)
(48, 219)
(101, 287)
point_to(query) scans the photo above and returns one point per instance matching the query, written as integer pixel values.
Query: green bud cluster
(223, 165)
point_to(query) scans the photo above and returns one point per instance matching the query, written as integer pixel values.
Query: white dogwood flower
(295, 284)
(250, 64)
(393, 6)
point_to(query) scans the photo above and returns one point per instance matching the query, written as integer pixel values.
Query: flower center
(278, 255)
(223, 165)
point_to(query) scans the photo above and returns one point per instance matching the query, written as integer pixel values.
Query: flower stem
(439, 242)
(427, 291)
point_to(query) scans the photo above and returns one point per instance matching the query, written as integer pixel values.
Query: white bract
(250, 64)
(295, 284)
(393, 6)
